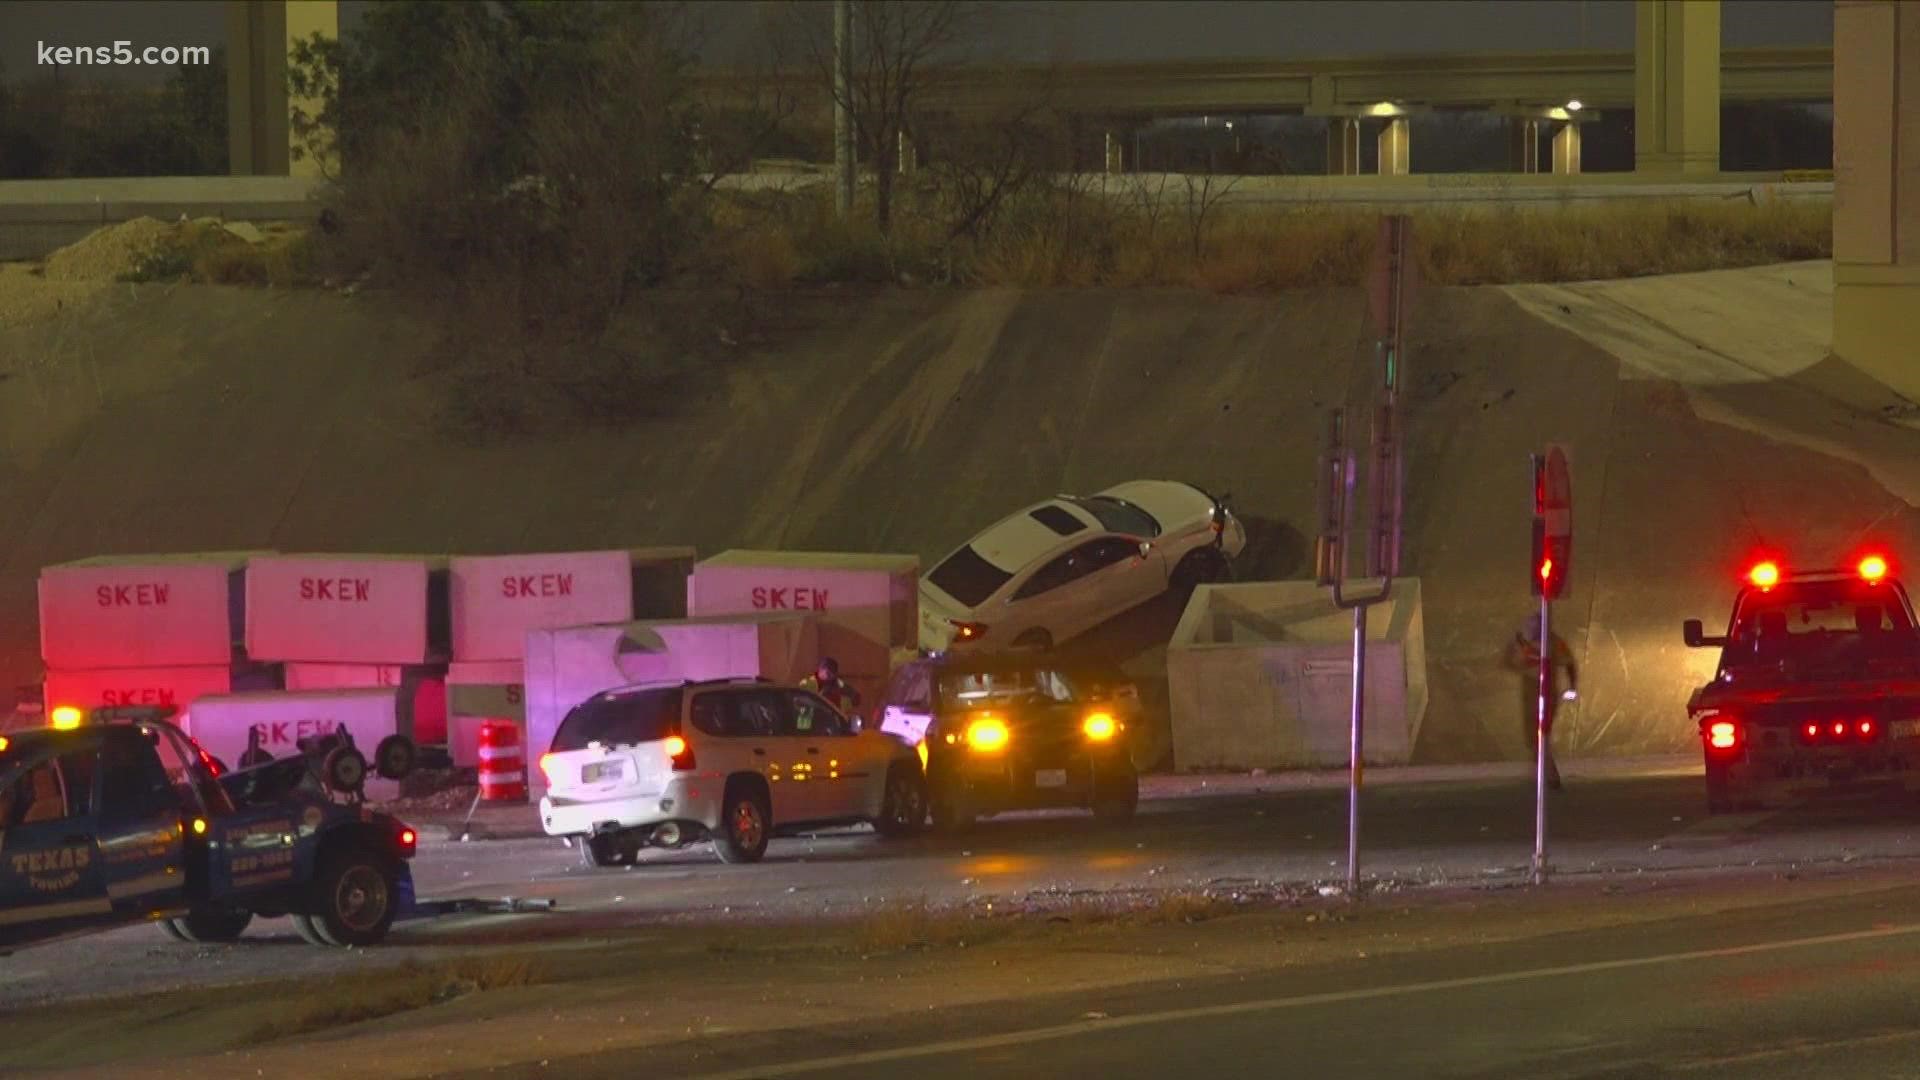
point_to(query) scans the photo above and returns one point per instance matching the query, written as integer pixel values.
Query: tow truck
(1817, 689)
(116, 816)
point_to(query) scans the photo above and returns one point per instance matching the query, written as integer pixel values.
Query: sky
(1087, 30)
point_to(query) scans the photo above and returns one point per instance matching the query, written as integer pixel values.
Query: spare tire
(344, 770)
(395, 757)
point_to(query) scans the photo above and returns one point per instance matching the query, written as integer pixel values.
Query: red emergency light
(1873, 568)
(1764, 575)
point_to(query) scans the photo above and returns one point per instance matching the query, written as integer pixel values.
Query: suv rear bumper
(687, 800)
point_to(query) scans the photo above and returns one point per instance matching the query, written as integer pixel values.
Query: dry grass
(356, 998)
(1094, 242)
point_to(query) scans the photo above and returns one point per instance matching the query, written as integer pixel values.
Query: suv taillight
(678, 752)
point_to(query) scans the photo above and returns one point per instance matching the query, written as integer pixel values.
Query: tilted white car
(1062, 567)
(734, 761)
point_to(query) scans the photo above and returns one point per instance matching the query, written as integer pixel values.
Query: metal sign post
(1552, 559)
(1388, 287)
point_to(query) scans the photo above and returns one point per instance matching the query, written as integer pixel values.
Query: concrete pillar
(1523, 144)
(1116, 156)
(1876, 196)
(1566, 150)
(1343, 146)
(1395, 144)
(1676, 86)
(260, 35)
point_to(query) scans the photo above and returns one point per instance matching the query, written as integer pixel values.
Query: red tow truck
(1817, 689)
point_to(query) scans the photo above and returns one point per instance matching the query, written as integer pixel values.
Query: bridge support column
(1676, 87)
(1116, 155)
(1523, 144)
(1876, 197)
(1343, 146)
(1566, 149)
(1395, 145)
(260, 36)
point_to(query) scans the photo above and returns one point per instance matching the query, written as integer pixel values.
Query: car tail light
(1099, 726)
(967, 631)
(1810, 733)
(1866, 729)
(547, 770)
(1839, 729)
(1723, 734)
(408, 839)
(678, 752)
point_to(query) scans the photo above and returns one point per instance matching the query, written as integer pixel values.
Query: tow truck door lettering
(51, 875)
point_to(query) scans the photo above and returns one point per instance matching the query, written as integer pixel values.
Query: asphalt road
(1229, 838)
(1828, 989)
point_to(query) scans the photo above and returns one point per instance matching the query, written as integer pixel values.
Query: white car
(733, 761)
(1062, 567)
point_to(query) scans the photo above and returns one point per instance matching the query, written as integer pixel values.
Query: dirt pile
(198, 418)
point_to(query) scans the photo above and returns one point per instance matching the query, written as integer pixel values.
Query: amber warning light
(1764, 575)
(1873, 568)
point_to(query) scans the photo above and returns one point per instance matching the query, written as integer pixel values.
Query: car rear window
(967, 577)
(620, 720)
(1118, 515)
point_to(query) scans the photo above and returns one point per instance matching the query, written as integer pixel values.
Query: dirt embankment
(162, 418)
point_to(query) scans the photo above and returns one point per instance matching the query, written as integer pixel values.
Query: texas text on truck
(118, 817)
(1817, 689)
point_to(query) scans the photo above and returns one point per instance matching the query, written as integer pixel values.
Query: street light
(1575, 105)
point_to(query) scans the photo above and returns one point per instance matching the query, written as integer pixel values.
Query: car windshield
(1119, 515)
(982, 689)
(968, 578)
(620, 720)
(1821, 622)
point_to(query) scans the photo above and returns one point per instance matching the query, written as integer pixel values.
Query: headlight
(987, 734)
(1100, 726)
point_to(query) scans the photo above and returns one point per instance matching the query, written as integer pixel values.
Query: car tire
(745, 825)
(1116, 794)
(207, 925)
(952, 812)
(1034, 640)
(599, 852)
(1197, 568)
(903, 809)
(344, 770)
(354, 898)
(395, 757)
(174, 930)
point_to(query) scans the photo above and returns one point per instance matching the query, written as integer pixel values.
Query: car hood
(1178, 507)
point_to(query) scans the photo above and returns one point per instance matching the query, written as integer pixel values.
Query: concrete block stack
(145, 630)
(352, 622)
(494, 600)
(868, 606)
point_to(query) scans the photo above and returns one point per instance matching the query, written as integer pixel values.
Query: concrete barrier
(1261, 676)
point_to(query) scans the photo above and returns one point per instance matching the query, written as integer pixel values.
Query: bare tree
(901, 48)
(1201, 195)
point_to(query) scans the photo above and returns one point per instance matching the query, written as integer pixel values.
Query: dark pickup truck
(123, 819)
(1817, 689)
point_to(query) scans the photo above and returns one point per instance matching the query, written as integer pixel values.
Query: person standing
(1523, 656)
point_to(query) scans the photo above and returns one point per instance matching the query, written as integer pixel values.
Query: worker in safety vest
(1523, 656)
(826, 682)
